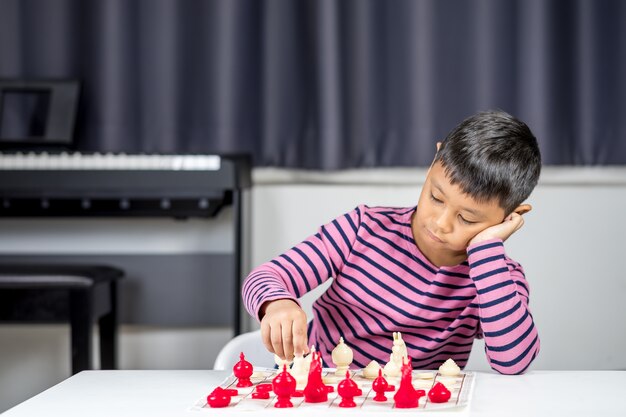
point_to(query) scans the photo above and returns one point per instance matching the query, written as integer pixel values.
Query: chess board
(461, 388)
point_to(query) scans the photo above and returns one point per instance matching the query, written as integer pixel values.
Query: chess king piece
(407, 396)
(284, 386)
(243, 371)
(315, 390)
(342, 357)
(347, 389)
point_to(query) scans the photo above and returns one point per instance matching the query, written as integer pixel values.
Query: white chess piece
(371, 370)
(403, 351)
(280, 362)
(309, 357)
(399, 354)
(300, 369)
(342, 357)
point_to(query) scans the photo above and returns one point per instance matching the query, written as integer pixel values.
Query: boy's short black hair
(492, 155)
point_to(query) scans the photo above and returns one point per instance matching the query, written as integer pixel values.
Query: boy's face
(447, 219)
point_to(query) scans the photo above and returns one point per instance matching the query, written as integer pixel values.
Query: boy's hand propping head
(504, 230)
(283, 328)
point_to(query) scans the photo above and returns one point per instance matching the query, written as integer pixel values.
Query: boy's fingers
(299, 337)
(277, 340)
(266, 337)
(287, 341)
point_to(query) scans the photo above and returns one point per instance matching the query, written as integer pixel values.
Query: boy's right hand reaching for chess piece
(283, 328)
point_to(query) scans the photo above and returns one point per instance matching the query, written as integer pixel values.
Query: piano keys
(85, 185)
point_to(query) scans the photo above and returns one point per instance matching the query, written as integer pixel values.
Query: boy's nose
(443, 223)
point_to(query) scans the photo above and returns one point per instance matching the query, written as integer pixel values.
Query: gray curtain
(328, 84)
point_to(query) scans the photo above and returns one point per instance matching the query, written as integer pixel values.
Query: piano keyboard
(108, 161)
(81, 184)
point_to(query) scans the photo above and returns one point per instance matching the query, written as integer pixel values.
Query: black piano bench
(78, 294)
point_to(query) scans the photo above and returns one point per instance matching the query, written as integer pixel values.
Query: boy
(437, 272)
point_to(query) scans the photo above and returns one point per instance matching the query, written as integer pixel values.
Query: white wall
(571, 248)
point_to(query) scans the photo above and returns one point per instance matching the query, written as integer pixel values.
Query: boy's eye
(435, 199)
(465, 221)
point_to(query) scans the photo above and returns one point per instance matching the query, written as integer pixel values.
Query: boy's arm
(511, 339)
(302, 268)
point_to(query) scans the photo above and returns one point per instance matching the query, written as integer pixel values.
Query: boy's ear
(432, 163)
(523, 209)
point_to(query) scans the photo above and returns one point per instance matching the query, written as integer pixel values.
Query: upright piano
(73, 185)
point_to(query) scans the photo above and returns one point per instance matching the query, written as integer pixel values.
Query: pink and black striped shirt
(383, 284)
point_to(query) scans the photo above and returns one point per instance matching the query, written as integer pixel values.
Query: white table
(173, 393)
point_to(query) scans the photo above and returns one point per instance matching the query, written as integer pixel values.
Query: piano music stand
(37, 113)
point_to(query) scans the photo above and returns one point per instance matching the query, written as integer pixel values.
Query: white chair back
(252, 347)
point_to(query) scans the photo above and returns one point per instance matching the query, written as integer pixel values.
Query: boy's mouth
(433, 236)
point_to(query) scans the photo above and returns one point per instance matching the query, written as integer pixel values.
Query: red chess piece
(379, 386)
(439, 393)
(218, 398)
(259, 395)
(407, 396)
(315, 390)
(264, 387)
(284, 386)
(347, 389)
(231, 391)
(243, 371)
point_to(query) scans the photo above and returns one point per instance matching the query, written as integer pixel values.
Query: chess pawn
(243, 371)
(371, 370)
(379, 386)
(342, 357)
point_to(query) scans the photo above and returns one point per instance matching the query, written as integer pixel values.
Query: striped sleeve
(303, 267)
(511, 339)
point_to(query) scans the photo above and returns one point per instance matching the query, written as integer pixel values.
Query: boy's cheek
(472, 235)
